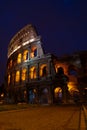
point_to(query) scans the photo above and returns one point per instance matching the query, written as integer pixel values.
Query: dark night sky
(61, 23)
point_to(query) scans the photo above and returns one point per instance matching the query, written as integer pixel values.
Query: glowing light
(72, 86)
(42, 69)
(2, 95)
(31, 40)
(23, 44)
(25, 55)
(19, 58)
(31, 54)
(57, 66)
(33, 73)
(24, 74)
(14, 51)
(17, 76)
(57, 90)
(25, 92)
(34, 90)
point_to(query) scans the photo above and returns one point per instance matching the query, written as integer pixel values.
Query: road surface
(43, 118)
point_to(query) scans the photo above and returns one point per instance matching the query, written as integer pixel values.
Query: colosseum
(32, 76)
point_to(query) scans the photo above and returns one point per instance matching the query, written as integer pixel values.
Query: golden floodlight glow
(24, 74)
(31, 40)
(2, 95)
(57, 90)
(19, 58)
(23, 44)
(17, 76)
(41, 69)
(34, 90)
(57, 66)
(33, 73)
(25, 55)
(71, 85)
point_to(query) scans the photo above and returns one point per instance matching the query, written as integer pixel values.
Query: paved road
(43, 118)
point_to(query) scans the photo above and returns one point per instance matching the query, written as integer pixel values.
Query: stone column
(65, 94)
(37, 69)
(20, 76)
(49, 68)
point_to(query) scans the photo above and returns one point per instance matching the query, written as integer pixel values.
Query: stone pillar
(20, 76)
(27, 74)
(27, 77)
(65, 94)
(51, 94)
(37, 69)
(39, 49)
(49, 67)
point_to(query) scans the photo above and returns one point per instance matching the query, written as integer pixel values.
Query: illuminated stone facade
(33, 77)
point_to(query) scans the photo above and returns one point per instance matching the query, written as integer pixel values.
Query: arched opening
(17, 77)
(32, 95)
(56, 68)
(25, 95)
(33, 73)
(43, 70)
(57, 95)
(25, 55)
(72, 70)
(33, 52)
(73, 92)
(19, 58)
(44, 96)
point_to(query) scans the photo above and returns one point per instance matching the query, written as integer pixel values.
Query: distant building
(35, 77)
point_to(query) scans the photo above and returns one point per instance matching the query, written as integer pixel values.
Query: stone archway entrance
(44, 96)
(58, 95)
(32, 96)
